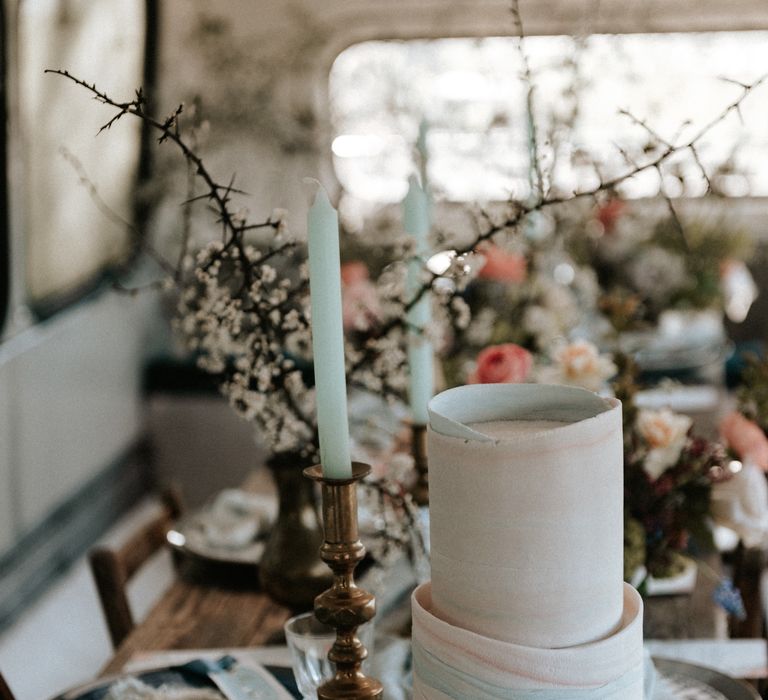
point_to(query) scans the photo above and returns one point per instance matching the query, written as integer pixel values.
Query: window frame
(13, 228)
(706, 26)
(5, 263)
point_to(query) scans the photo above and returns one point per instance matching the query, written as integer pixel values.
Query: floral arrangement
(513, 296)
(668, 477)
(646, 267)
(669, 472)
(579, 363)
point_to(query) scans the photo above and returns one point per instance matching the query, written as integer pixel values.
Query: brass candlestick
(420, 489)
(344, 605)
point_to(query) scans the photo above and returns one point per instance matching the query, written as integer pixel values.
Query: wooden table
(200, 616)
(192, 616)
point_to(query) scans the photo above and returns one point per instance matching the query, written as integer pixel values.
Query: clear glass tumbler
(310, 641)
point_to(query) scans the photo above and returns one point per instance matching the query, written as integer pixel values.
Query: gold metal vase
(291, 571)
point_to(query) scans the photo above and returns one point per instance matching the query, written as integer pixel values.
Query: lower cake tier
(451, 662)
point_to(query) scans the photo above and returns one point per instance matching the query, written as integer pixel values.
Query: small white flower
(264, 378)
(268, 274)
(481, 326)
(240, 216)
(657, 273)
(542, 324)
(278, 215)
(463, 315)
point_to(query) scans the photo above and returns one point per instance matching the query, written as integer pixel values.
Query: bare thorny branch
(518, 211)
(219, 195)
(538, 185)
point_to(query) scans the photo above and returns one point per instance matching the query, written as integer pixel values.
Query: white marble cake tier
(526, 513)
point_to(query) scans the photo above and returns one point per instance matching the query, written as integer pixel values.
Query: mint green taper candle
(420, 356)
(421, 147)
(328, 337)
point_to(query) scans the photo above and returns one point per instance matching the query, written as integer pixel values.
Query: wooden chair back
(748, 567)
(113, 568)
(5, 691)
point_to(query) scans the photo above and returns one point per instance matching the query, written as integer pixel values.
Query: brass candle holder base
(344, 605)
(420, 489)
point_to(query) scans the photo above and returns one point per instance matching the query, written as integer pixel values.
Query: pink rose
(502, 364)
(354, 272)
(746, 438)
(609, 213)
(502, 266)
(360, 306)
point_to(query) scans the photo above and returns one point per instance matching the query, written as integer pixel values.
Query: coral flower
(502, 364)
(502, 266)
(354, 272)
(746, 438)
(609, 213)
(361, 309)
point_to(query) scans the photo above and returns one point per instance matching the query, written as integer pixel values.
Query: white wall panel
(75, 398)
(7, 520)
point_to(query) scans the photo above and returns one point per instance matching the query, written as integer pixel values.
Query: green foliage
(634, 546)
(705, 246)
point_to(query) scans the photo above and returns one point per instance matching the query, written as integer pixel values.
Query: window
(67, 242)
(471, 93)
(4, 249)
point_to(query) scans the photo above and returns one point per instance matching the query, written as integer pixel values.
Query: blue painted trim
(50, 549)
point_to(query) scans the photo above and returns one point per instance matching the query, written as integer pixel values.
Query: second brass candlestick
(344, 606)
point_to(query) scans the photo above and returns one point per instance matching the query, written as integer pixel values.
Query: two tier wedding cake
(526, 598)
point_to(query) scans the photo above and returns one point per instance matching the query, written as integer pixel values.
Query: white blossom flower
(481, 326)
(463, 315)
(240, 216)
(657, 273)
(278, 215)
(268, 274)
(248, 322)
(543, 324)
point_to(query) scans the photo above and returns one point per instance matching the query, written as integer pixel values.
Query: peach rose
(502, 364)
(665, 433)
(579, 364)
(582, 363)
(502, 266)
(746, 438)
